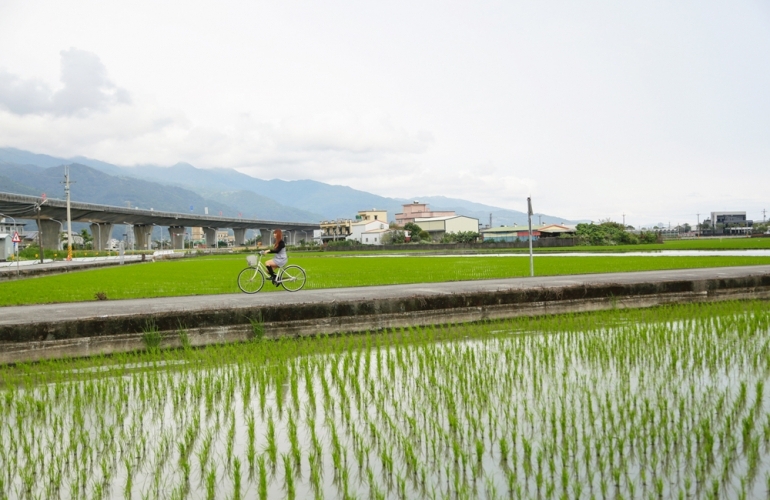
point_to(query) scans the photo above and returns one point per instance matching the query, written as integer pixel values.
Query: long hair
(278, 237)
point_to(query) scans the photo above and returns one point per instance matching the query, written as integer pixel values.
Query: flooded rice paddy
(666, 402)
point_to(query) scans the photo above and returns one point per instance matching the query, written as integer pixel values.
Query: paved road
(115, 308)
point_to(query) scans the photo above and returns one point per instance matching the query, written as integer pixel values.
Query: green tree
(397, 237)
(608, 232)
(87, 238)
(412, 228)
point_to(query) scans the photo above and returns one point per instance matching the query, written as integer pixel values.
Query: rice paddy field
(217, 274)
(668, 402)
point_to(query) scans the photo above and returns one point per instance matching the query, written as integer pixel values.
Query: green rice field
(217, 274)
(668, 402)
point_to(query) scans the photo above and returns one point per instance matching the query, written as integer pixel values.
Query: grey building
(730, 223)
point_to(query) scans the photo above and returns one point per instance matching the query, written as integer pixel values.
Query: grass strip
(217, 275)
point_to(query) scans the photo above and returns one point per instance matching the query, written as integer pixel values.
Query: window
(375, 217)
(367, 239)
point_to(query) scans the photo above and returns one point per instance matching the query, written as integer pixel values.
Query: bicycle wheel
(250, 280)
(293, 278)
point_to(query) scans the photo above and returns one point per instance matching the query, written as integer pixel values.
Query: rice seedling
(662, 402)
(151, 336)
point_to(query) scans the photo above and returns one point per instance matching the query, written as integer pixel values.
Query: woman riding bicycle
(280, 259)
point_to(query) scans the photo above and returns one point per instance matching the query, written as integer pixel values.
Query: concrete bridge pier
(267, 237)
(176, 234)
(50, 233)
(101, 233)
(143, 236)
(211, 236)
(240, 237)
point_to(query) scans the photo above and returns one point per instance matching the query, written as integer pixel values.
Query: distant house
(521, 233)
(556, 230)
(335, 230)
(368, 228)
(437, 227)
(374, 237)
(7, 226)
(417, 210)
(223, 235)
(373, 214)
(368, 232)
(508, 234)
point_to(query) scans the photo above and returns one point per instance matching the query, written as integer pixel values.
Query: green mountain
(9, 186)
(232, 192)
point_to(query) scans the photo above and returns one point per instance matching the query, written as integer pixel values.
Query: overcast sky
(659, 110)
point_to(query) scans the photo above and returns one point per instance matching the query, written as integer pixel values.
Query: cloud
(85, 88)
(360, 135)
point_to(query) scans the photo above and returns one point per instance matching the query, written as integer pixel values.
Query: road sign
(16, 238)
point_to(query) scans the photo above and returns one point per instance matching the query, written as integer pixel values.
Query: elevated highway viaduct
(51, 213)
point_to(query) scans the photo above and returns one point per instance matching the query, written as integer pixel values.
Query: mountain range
(184, 187)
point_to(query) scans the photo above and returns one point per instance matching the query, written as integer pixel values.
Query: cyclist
(280, 259)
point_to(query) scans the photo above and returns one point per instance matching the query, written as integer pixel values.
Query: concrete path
(29, 268)
(35, 332)
(53, 313)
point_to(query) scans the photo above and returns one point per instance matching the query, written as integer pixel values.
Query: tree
(87, 238)
(611, 233)
(412, 228)
(396, 237)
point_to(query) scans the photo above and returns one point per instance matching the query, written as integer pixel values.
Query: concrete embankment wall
(203, 326)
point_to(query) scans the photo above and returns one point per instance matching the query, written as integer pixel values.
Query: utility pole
(624, 222)
(529, 218)
(763, 215)
(69, 218)
(490, 220)
(698, 226)
(40, 230)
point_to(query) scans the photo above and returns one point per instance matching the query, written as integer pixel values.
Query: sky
(656, 111)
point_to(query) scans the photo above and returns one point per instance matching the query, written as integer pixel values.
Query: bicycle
(251, 280)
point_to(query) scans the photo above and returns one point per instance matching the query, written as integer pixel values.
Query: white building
(368, 232)
(6, 246)
(438, 226)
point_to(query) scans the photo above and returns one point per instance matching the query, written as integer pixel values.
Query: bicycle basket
(252, 260)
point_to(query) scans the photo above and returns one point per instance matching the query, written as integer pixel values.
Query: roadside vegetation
(612, 233)
(217, 274)
(667, 402)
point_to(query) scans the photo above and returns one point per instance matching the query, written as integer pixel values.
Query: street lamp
(40, 229)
